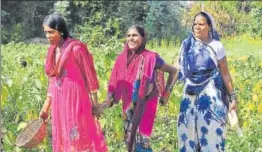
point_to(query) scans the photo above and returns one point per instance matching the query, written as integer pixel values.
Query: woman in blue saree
(207, 81)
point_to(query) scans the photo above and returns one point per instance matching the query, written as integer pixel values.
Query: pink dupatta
(53, 69)
(122, 73)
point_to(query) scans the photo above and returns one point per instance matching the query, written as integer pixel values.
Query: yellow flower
(254, 97)
(243, 58)
(251, 106)
(259, 109)
(260, 65)
(232, 70)
(241, 86)
(257, 86)
(245, 124)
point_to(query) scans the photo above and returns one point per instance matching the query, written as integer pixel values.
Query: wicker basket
(32, 134)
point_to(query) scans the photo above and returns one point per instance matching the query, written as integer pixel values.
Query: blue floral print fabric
(202, 117)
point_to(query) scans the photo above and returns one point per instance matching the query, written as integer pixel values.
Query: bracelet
(169, 87)
(232, 96)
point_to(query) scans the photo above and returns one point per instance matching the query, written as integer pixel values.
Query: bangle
(169, 87)
(232, 96)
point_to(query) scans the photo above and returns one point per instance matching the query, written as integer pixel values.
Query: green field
(24, 89)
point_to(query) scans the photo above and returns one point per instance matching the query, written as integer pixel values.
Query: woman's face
(201, 28)
(52, 35)
(134, 39)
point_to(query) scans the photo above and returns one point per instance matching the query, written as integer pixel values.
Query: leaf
(102, 122)
(7, 140)
(21, 125)
(38, 83)
(4, 95)
(17, 149)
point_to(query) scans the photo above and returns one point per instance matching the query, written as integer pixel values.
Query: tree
(256, 18)
(231, 17)
(18, 23)
(132, 12)
(162, 21)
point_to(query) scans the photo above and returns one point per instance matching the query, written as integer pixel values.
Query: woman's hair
(142, 32)
(57, 22)
(206, 16)
(213, 33)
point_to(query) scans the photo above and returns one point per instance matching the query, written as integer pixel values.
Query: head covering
(187, 44)
(213, 33)
(142, 32)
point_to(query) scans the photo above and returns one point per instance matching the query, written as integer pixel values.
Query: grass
(235, 47)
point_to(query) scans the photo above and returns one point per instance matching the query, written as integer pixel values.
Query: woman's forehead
(47, 28)
(200, 18)
(132, 30)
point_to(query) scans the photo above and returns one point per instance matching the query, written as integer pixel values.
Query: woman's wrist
(47, 104)
(108, 102)
(232, 96)
(169, 87)
(94, 99)
(45, 108)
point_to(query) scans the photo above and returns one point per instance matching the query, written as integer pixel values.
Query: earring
(62, 33)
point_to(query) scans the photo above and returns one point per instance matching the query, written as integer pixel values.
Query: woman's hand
(227, 80)
(164, 98)
(44, 111)
(44, 114)
(99, 108)
(106, 104)
(233, 105)
(97, 111)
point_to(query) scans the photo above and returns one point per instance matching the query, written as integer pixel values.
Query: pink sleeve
(114, 86)
(85, 62)
(113, 80)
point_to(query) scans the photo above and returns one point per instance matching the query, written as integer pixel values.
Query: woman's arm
(85, 62)
(112, 87)
(172, 77)
(108, 101)
(171, 70)
(44, 111)
(222, 64)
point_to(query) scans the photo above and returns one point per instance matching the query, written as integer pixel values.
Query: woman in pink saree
(71, 91)
(137, 64)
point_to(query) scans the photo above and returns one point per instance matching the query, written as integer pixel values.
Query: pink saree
(123, 77)
(71, 79)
